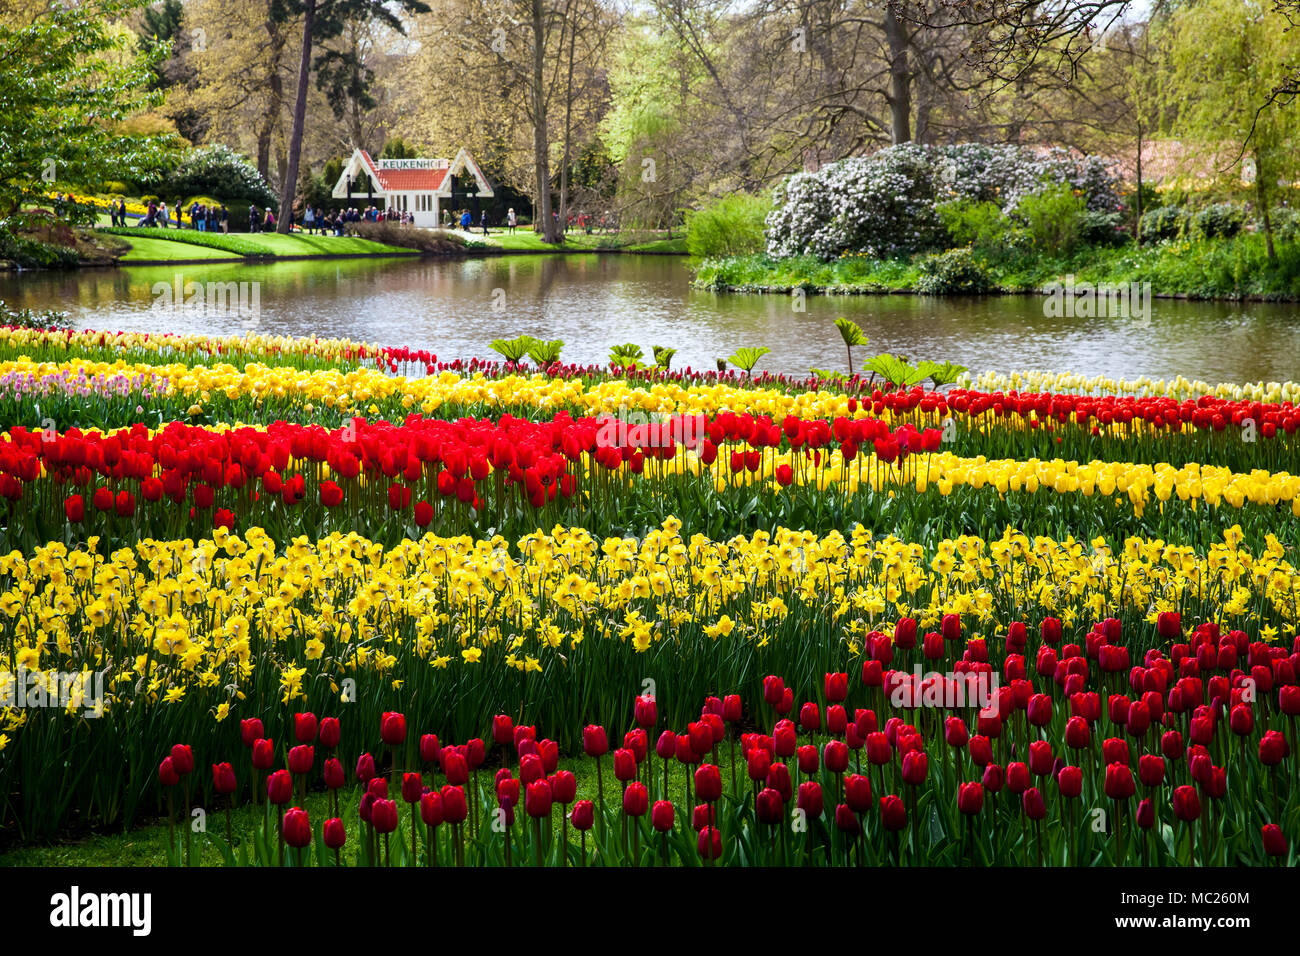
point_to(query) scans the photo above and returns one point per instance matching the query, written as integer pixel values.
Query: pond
(456, 307)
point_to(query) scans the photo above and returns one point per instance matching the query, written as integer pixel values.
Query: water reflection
(593, 302)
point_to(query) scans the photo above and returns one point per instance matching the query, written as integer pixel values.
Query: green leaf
(746, 358)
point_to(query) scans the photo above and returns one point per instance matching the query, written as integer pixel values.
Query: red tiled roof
(404, 180)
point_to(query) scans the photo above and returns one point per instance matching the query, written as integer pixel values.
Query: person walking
(309, 221)
(254, 219)
(483, 222)
(511, 219)
(225, 219)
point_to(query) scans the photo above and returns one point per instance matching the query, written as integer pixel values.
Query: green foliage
(1219, 220)
(1053, 217)
(396, 148)
(68, 79)
(217, 170)
(1102, 228)
(731, 226)
(746, 358)
(945, 374)
(545, 352)
(974, 223)
(1163, 222)
(625, 356)
(896, 371)
(955, 272)
(663, 356)
(513, 350)
(850, 332)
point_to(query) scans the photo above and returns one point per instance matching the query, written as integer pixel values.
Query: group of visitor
(328, 222)
(208, 218)
(117, 212)
(260, 221)
(465, 221)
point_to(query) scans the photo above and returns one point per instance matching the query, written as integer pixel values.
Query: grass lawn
(167, 244)
(150, 249)
(525, 240)
(146, 845)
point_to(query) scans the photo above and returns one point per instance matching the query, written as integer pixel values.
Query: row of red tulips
(1030, 763)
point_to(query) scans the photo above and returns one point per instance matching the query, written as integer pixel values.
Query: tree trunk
(900, 98)
(568, 130)
(541, 144)
(289, 187)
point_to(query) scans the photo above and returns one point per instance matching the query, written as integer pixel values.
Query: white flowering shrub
(883, 205)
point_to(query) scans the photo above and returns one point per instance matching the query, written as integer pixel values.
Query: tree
(66, 81)
(1225, 59)
(324, 20)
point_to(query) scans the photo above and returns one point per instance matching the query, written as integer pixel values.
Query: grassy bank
(1235, 268)
(166, 244)
(525, 240)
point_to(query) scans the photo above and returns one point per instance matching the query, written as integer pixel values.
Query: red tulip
(503, 730)
(836, 687)
(970, 798)
(365, 768)
(1119, 781)
(915, 767)
(329, 732)
(455, 767)
(893, 814)
(857, 792)
(333, 834)
(431, 811)
(304, 727)
(564, 787)
(708, 782)
(661, 816)
(182, 759)
(392, 729)
(279, 787)
(1274, 839)
(646, 711)
(1070, 782)
(1032, 802)
(1273, 748)
(836, 756)
(167, 774)
(583, 816)
(263, 754)
(538, 799)
(301, 759)
(624, 765)
(636, 799)
(333, 773)
(383, 816)
(297, 828)
(250, 731)
(709, 843)
(810, 799)
(223, 778)
(1151, 770)
(1187, 805)
(770, 807)
(454, 807)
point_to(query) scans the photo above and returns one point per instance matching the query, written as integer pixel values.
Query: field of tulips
(1041, 620)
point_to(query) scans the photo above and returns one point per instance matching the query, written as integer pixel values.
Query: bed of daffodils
(829, 623)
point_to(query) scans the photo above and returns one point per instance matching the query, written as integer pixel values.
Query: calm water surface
(592, 302)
